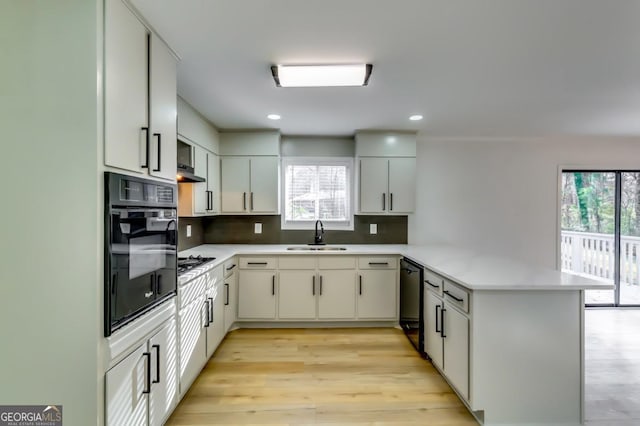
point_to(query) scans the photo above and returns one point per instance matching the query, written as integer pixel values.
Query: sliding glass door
(600, 236)
(629, 238)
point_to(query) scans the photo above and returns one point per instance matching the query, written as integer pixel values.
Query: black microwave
(141, 231)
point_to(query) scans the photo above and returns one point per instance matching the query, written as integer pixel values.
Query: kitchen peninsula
(524, 360)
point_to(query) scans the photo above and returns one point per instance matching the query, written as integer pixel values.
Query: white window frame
(319, 161)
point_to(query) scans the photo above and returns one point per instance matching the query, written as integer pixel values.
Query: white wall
(500, 197)
(49, 256)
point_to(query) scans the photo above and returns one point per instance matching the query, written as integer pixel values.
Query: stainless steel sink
(317, 248)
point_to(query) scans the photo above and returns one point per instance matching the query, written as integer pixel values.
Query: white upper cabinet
(204, 140)
(235, 184)
(213, 182)
(202, 196)
(126, 89)
(387, 172)
(193, 127)
(249, 175)
(374, 185)
(402, 185)
(163, 147)
(140, 96)
(264, 185)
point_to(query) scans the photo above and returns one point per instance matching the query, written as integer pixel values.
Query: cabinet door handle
(360, 291)
(384, 201)
(431, 284)
(114, 284)
(145, 165)
(257, 263)
(159, 151)
(231, 267)
(457, 299)
(157, 348)
(273, 286)
(147, 379)
(158, 284)
(437, 307)
(390, 201)
(442, 311)
(378, 263)
(207, 318)
(152, 287)
(210, 309)
(320, 285)
(313, 285)
(226, 287)
(244, 201)
(251, 200)
(209, 200)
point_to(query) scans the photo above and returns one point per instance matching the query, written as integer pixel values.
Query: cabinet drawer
(297, 262)
(456, 295)
(433, 282)
(377, 262)
(336, 262)
(258, 262)
(192, 290)
(230, 266)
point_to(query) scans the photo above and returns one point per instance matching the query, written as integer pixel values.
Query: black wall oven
(140, 247)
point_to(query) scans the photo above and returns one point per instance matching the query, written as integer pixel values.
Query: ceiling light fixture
(273, 117)
(416, 117)
(321, 75)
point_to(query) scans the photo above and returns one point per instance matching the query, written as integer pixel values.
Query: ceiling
(491, 68)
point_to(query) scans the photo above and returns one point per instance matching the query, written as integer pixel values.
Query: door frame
(618, 171)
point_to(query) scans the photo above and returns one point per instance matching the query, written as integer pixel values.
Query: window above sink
(317, 189)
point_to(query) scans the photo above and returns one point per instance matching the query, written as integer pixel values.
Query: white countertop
(467, 268)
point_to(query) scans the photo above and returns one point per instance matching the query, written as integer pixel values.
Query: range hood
(185, 174)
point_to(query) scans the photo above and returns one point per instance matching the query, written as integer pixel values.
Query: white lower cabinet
(433, 345)
(215, 320)
(256, 294)
(142, 389)
(201, 319)
(193, 341)
(230, 293)
(317, 288)
(336, 294)
(447, 333)
(455, 329)
(377, 294)
(311, 293)
(297, 295)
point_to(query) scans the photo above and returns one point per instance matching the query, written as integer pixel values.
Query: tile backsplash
(197, 232)
(240, 230)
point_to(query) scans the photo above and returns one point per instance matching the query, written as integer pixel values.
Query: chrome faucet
(317, 239)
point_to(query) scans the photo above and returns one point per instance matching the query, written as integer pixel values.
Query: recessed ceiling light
(416, 117)
(273, 117)
(321, 75)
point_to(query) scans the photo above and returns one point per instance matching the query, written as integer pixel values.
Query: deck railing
(593, 254)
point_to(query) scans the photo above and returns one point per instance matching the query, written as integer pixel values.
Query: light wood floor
(319, 377)
(612, 367)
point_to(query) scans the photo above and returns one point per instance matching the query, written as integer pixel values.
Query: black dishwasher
(411, 305)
